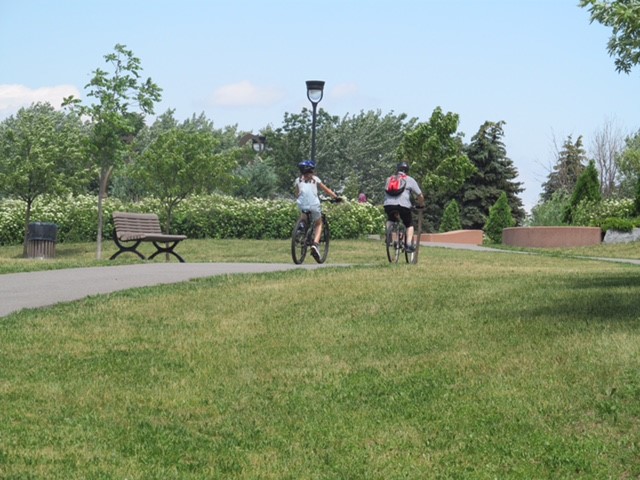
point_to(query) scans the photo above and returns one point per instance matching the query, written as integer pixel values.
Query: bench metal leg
(166, 249)
(124, 248)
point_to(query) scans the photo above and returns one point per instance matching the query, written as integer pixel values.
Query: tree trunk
(102, 193)
(27, 220)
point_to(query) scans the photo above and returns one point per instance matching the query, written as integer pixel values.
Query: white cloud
(12, 97)
(246, 94)
(345, 90)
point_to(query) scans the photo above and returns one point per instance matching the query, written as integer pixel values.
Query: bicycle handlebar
(332, 200)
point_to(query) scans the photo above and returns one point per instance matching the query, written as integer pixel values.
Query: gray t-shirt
(404, 199)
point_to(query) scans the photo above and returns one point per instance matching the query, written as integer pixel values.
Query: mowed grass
(468, 365)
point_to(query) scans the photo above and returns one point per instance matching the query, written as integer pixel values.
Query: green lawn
(470, 365)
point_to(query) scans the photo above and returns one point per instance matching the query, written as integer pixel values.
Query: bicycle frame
(302, 238)
(395, 240)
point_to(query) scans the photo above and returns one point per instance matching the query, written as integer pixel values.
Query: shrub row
(595, 213)
(206, 216)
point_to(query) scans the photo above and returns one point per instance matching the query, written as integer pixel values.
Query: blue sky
(538, 65)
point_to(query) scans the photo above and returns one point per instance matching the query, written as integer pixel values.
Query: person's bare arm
(328, 191)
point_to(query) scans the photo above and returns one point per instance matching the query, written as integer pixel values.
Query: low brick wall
(551, 237)
(469, 237)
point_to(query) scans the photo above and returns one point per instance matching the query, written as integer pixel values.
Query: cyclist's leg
(392, 212)
(316, 218)
(407, 220)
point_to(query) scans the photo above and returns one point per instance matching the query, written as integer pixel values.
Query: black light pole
(314, 94)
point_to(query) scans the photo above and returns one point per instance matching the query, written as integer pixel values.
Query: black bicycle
(396, 237)
(302, 236)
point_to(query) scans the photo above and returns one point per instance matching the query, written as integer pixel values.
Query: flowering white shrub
(201, 216)
(589, 213)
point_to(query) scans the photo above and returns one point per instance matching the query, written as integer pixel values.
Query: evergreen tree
(570, 164)
(451, 218)
(587, 188)
(495, 174)
(499, 218)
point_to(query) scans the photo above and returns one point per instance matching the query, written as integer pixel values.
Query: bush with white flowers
(201, 216)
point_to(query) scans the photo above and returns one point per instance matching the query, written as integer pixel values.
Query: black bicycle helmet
(403, 167)
(307, 166)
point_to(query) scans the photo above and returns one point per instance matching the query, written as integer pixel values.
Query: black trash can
(41, 240)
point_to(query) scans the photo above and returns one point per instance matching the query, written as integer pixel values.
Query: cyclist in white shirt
(306, 190)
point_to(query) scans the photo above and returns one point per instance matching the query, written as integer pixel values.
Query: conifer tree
(451, 218)
(587, 188)
(499, 218)
(495, 174)
(569, 165)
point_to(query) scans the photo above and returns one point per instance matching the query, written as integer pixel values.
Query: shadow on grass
(607, 297)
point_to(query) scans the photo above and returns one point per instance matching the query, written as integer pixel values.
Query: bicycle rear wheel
(411, 257)
(299, 241)
(393, 240)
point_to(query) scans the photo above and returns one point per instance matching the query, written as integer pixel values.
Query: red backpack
(396, 184)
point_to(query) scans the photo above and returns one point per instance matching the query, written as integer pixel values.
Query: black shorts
(405, 214)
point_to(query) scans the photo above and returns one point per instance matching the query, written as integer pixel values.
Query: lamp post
(314, 94)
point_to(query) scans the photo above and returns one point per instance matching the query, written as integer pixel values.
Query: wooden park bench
(142, 227)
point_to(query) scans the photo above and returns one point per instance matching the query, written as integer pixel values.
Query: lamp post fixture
(258, 143)
(314, 94)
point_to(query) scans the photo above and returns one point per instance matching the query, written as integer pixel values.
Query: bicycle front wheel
(299, 241)
(323, 246)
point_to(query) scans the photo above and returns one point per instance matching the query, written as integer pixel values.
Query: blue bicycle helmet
(307, 166)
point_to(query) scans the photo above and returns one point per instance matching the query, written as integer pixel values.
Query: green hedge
(207, 216)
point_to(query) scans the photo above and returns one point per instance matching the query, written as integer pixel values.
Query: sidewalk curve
(48, 287)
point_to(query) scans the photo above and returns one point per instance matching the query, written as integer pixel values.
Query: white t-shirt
(307, 193)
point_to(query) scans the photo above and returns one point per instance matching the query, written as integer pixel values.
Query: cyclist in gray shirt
(401, 202)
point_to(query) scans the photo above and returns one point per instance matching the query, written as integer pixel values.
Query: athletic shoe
(315, 252)
(410, 248)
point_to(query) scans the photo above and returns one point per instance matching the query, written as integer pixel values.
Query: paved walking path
(43, 288)
(48, 287)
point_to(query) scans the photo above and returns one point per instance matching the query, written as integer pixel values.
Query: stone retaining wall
(551, 237)
(469, 237)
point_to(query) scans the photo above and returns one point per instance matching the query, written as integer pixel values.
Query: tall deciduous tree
(629, 165)
(291, 143)
(569, 165)
(41, 152)
(623, 16)
(360, 152)
(435, 152)
(181, 162)
(122, 101)
(495, 173)
(354, 153)
(607, 146)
